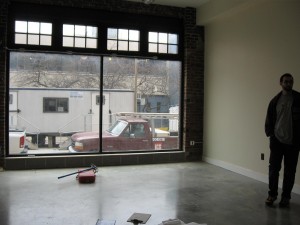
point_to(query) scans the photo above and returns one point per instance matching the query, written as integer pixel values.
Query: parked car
(17, 141)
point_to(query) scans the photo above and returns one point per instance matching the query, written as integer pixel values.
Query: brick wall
(193, 85)
(3, 21)
(193, 62)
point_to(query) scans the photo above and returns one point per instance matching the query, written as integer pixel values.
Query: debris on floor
(178, 222)
(105, 222)
(86, 176)
(193, 223)
(93, 168)
(139, 218)
(172, 222)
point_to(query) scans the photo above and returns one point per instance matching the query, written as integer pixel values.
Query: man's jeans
(289, 154)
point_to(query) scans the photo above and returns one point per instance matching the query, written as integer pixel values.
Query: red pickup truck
(124, 135)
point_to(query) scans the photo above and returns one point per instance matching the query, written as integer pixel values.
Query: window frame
(58, 16)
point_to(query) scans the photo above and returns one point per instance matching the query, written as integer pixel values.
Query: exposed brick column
(3, 24)
(194, 86)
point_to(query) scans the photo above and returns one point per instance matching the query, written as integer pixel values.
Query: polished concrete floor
(192, 192)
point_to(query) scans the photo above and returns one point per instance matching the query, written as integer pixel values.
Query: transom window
(162, 43)
(123, 39)
(33, 33)
(80, 36)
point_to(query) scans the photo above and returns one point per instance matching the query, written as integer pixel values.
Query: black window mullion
(57, 35)
(102, 38)
(144, 43)
(85, 37)
(128, 40)
(40, 35)
(74, 35)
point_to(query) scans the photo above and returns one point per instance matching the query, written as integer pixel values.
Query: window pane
(155, 89)
(112, 45)
(68, 41)
(33, 27)
(123, 34)
(173, 49)
(163, 38)
(49, 105)
(46, 28)
(123, 45)
(91, 43)
(68, 30)
(92, 32)
(62, 105)
(21, 26)
(33, 39)
(45, 40)
(152, 47)
(82, 35)
(153, 37)
(72, 81)
(173, 39)
(133, 46)
(80, 31)
(134, 35)
(20, 38)
(112, 33)
(162, 48)
(80, 42)
(11, 98)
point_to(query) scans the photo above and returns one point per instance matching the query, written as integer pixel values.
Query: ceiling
(208, 10)
(178, 3)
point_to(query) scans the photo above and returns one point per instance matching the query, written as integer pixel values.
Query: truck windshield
(117, 128)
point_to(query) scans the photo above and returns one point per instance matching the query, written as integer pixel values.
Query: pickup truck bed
(17, 142)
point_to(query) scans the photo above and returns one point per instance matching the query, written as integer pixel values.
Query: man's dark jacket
(272, 116)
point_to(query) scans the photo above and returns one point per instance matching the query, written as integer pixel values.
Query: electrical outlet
(192, 143)
(262, 156)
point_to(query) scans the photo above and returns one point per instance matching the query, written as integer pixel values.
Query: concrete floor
(193, 192)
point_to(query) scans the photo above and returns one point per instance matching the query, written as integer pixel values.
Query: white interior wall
(246, 52)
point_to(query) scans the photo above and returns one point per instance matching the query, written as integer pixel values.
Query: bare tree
(54, 71)
(147, 78)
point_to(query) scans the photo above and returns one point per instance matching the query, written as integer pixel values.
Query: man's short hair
(285, 75)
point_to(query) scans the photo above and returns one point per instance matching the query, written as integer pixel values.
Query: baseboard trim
(246, 172)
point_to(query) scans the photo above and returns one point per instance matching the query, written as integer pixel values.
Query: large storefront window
(57, 107)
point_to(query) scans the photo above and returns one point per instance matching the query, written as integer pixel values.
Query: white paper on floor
(178, 222)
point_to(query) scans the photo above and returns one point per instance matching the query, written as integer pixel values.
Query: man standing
(283, 127)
